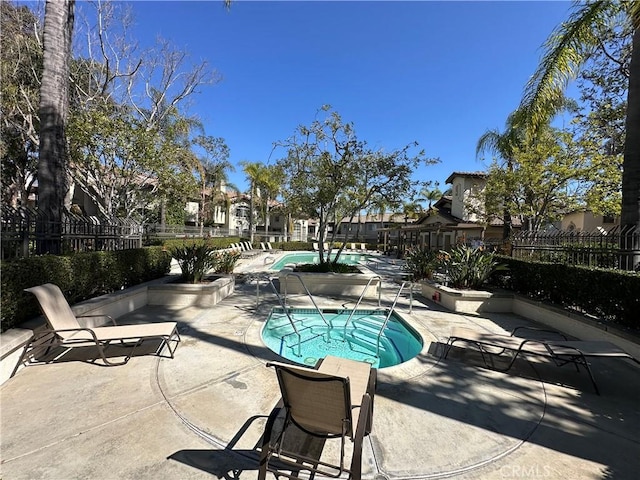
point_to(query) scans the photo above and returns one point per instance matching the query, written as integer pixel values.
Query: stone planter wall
(467, 301)
(347, 284)
(182, 294)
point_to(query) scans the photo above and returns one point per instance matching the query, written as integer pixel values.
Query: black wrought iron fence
(26, 230)
(613, 248)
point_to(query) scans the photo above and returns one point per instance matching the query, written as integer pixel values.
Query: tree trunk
(630, 218)
(251, 208)
(54, 94)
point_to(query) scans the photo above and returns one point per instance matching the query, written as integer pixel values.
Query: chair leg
(356, 460)
(371, 390)
(21, 359)
(266, 442)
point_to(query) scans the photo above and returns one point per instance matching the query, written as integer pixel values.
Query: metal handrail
(282, 304)
(344, 334)
(386, 320)
(312, 301)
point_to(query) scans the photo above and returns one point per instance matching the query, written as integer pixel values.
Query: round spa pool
(316, 339)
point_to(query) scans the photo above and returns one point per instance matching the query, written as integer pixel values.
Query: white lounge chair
(65, 330)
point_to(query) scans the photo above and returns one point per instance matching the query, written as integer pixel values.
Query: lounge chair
(315, 247)
(270, 248)
(334, 400)
(353, 247)
(363, 247)
(560, 351)
(65, 330)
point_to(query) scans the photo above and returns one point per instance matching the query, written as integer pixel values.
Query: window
(242, 212)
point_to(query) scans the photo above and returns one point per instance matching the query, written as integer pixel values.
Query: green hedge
(612, 295)
(216, 242)
(80, 276)
(291, 246)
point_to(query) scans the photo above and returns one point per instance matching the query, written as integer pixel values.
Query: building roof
(465, 174)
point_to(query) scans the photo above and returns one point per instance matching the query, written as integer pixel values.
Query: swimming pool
(399, 342)
(312, 257)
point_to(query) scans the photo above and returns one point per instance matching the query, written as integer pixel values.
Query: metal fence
(614, 248)
(25, 232)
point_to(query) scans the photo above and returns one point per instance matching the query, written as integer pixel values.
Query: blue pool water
(399, 342)
(312, 257)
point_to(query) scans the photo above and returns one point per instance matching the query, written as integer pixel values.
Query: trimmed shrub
(291, 246)
(612, 295)
(80, 276)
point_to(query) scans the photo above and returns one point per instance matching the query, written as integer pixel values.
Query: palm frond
(566, 49)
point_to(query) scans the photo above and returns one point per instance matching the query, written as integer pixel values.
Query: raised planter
(344, 284)
(467, 301)
(185, 294)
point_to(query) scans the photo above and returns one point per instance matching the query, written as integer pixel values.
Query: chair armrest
(81, 329)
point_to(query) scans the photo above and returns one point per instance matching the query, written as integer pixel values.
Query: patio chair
(332, 401)
(65, 330)
(561, 351)
(270, 248)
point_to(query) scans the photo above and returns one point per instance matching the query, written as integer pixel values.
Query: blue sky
(439, 73)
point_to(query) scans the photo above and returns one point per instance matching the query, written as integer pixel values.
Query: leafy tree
(566, 50)
(600, 123)
(212, 172)
(21, 71)
(543, 181)
(330, 174)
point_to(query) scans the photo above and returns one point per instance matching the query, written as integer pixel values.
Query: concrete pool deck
(202, 413)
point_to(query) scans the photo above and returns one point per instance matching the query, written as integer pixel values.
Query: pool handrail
(360, 300)
(293, 274)
(386, 320)
(281, 302)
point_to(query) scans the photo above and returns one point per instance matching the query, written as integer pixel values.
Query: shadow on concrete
(578, 424)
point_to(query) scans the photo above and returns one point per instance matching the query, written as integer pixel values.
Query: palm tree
(505, 145)
(271, 182)
(54, 106)
(255, 173)
(430, 195)
(566, 50)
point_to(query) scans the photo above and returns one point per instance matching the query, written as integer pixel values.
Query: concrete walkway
(202, 413)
